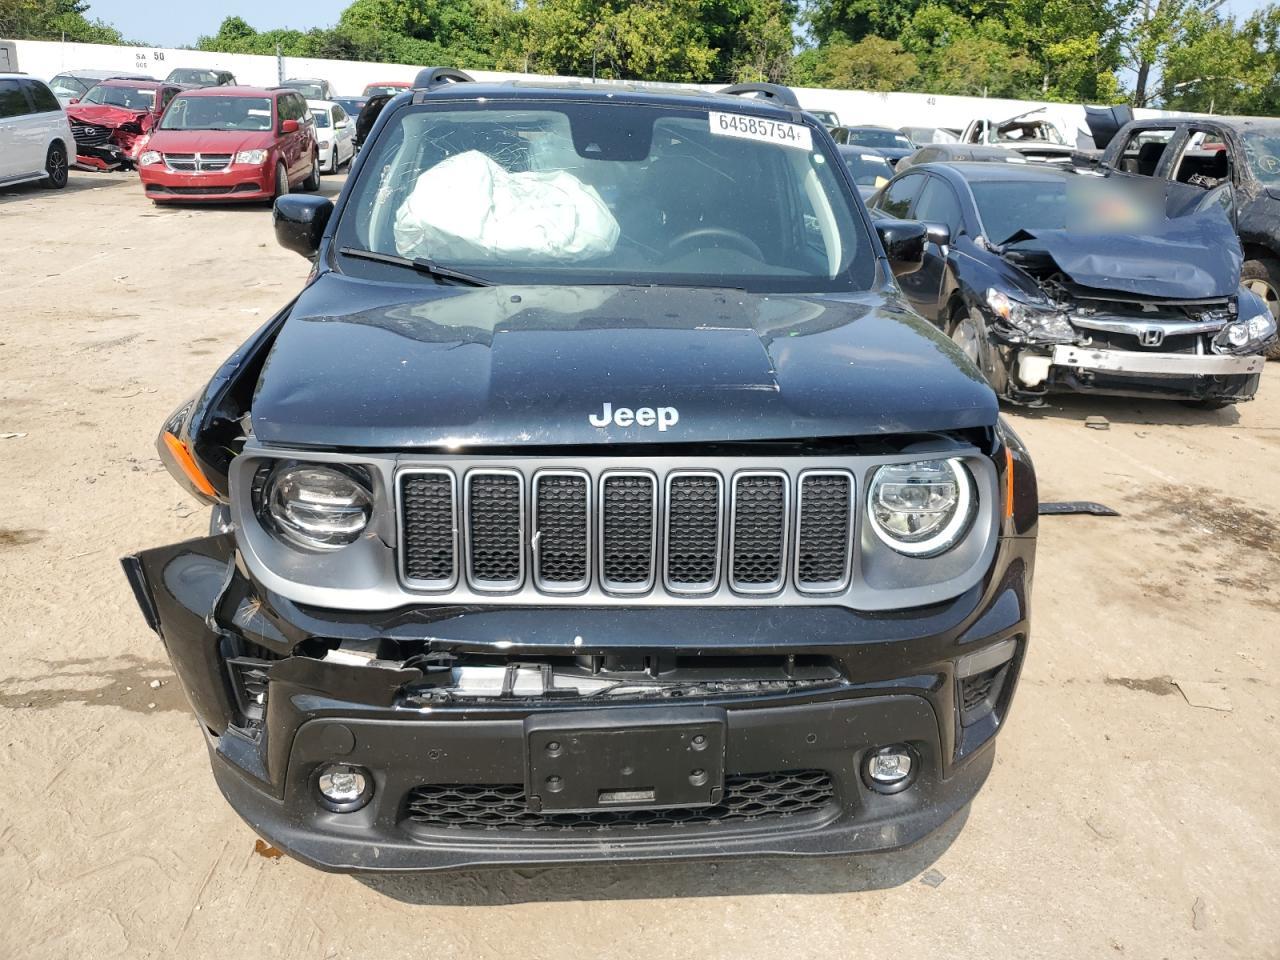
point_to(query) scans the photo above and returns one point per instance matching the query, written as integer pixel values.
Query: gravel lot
(1132, 810)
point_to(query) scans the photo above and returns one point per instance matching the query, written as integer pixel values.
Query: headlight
(1030, 318)
(150, 157)
(324, 144)
(313, 505)
(1246, 335)
(251, 156)
(921, 509)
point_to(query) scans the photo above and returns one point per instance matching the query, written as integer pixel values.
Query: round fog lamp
(344, 788)
(889, 769)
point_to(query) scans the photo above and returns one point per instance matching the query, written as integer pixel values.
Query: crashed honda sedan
(593, 503)
(1054, 281)
(111, 122)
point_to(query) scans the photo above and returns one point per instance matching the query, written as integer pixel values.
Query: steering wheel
(731, 238)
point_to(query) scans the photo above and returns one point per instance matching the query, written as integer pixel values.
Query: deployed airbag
(469, 208)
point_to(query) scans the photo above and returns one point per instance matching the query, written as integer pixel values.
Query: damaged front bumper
(443, 707)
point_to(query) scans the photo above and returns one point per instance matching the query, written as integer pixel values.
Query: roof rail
(429, 77)
(769, 91)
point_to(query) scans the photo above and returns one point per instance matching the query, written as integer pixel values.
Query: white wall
(44, 59)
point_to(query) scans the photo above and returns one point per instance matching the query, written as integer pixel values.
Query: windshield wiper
(420, 264)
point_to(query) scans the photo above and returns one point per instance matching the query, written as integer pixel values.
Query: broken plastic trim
(1050, 508)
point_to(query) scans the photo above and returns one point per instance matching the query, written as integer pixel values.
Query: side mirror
(289, 126)
(903, 242)
(938, 233)
(299, 220)
(343, 124)
(74, 100)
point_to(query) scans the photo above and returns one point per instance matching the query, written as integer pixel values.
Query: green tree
(869, 64)
(54, 20)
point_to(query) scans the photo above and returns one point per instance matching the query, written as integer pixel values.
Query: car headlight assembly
(251, 156)
(315, 506)
(149, 157)
(921, 509)
(1035, 320)
(1246, 335)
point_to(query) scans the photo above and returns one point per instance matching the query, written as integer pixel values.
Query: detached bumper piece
(1162, 364)
(435, 737)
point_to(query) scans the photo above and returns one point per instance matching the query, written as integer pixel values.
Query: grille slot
(561, 524)
(759, 532)
(504, 807)
(824, 531)
(628, 531)
(495, 529)
(429, 517)
(694, 527)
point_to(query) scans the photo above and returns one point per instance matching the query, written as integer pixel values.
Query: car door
(290, 143)
(26, 143)
(342, 133)
(937, 203)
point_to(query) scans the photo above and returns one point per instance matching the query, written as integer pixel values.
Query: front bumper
(238, 182)
(899, 682)
(1160, 364)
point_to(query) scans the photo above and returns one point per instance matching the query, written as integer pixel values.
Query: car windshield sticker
(757, 128)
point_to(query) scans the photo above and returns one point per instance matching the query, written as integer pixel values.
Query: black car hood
(1180, 258)
(386, 366)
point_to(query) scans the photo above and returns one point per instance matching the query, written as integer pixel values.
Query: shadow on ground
(1127, 410)
(662, 881)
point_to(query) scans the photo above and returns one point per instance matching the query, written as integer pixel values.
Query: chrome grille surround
(797, 563)
(370, 574)
(470, 509)
(617, 557)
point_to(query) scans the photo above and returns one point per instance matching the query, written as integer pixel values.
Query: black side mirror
(300, 220)
(903, 242)
(938, 233)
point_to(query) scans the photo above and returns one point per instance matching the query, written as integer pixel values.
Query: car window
(1142, 151)
(13, 103)
(867, 169)
(218, 113)
(68, 86)
(1204, 160)
(130, 98)
(1262, 152)
(896, 200)
(878, 138)
(167, 97)
(338, 115)
(41, 96)
(322, 118)
(605, 193)
(938, 204)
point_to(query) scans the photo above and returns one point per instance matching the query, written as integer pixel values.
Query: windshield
(206, 77)
(868, 169)
(878, 138)
(131, 98)
(67, 86)
(609, 193)
(1262, 151)
(322, 118)
(309, 89)
(218, 113)
(1007, 206)
(376, 88)
(1030, 131)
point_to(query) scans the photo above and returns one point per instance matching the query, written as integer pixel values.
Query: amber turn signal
(190, 469)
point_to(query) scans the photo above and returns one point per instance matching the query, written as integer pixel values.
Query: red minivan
(231, 143)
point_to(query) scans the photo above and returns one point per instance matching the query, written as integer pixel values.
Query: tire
(282, 181)
(968, 331)
(333, 161)
(56, 169)
(1262, 276)
(312, 183)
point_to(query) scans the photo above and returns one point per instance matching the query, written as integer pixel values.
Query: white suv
(35, 137)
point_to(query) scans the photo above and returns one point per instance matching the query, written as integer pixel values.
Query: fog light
(344, 788)
(889, 769)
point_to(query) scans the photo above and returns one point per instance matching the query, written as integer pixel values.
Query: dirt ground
(1132, 810)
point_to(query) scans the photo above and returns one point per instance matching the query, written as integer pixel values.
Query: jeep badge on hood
(642, 417)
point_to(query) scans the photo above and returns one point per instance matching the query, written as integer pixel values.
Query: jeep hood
(422, 366)
(1192, 257)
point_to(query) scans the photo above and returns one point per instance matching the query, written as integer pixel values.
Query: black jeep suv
(599, 498)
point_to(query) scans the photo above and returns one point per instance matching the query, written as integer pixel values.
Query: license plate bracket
(624, 759)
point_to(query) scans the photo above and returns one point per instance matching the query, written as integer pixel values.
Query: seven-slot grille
(193, 162)
(90, 134)
(626, 532)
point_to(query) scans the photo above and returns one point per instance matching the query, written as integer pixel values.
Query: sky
(181, 23)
